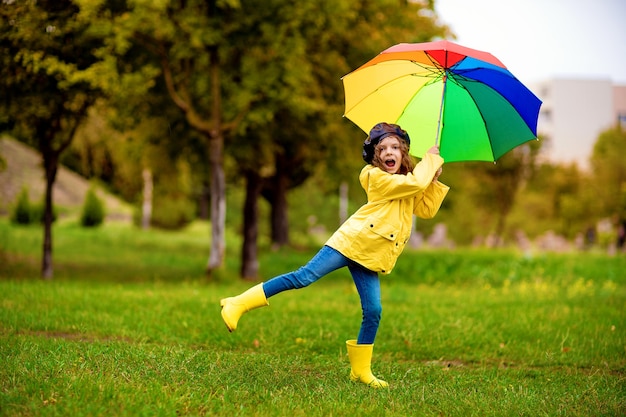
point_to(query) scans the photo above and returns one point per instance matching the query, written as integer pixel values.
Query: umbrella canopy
(462, 99)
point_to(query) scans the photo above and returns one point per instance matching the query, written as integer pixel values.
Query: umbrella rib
(434, 75)
(484, 122)
(457, 78)
(470, 80)
(444, 77)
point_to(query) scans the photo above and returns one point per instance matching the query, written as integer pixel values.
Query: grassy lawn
(131, 326)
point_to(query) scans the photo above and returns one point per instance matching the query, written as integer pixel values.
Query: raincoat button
(371, 225)
(391, 235)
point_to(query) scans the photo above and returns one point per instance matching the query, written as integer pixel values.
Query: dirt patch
(72, 336)
(446, 364)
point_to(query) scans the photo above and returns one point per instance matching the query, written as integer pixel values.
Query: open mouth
(390, 163)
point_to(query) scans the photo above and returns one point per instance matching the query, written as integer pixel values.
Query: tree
(298, 54)
(608, 167)
(47, 78)
(331, 52)
(191, 40)
(498, 184)
(546, 201)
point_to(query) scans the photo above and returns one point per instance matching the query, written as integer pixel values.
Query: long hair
(406, 164)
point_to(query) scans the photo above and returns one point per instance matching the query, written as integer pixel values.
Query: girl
(369, 242)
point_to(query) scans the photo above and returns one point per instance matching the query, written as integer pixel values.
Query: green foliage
(129, 328)
(171, 213)
(609, 168)
(543, 196)
(46, 80)
(22, 212)
(49, 76)
(93, 210)
(280, 67)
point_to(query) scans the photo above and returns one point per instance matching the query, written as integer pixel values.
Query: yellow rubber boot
(234, 307)
(361, 361)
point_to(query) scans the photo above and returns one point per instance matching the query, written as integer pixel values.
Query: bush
(171, 213)
(93, 210)
(22, 212)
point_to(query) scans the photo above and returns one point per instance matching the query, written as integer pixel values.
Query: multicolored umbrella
(462, 99)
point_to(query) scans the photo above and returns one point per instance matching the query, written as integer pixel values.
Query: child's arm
(427, 168)
(427, 204)
(384, 186)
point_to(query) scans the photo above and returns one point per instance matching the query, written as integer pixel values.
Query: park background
(200, 146)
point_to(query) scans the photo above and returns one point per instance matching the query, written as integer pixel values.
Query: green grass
(131, 326)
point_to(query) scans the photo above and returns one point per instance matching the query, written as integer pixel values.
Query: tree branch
(182, 98)
(169, 83)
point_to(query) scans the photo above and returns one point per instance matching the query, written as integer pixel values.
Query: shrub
(171, 213)
(93, 210)
(22, 212)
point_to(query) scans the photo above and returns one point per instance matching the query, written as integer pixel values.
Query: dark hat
(378, 133)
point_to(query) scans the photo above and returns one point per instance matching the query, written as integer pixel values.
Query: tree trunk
(343, 202)
(51, 162)
(146, 207)
(280, 218)
(506, 190)
(47, 133)
(499, 232)
(216, 162)
(213, 131)
(218, 204)
(249, 259)
(204, 202)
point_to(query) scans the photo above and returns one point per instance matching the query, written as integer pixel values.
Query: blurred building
(619, 104)
(574, 113)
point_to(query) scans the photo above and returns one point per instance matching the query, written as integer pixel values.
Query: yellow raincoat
(376, 234)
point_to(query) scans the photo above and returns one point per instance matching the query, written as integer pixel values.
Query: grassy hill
(24, 169)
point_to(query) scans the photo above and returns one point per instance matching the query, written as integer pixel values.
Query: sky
(540, 40)
(544, 40)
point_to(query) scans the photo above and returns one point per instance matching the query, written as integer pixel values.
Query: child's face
(390, 154)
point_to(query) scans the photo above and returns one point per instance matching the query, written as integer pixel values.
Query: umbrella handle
(443, 95)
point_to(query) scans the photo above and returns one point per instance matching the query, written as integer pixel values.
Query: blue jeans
(326, 261)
